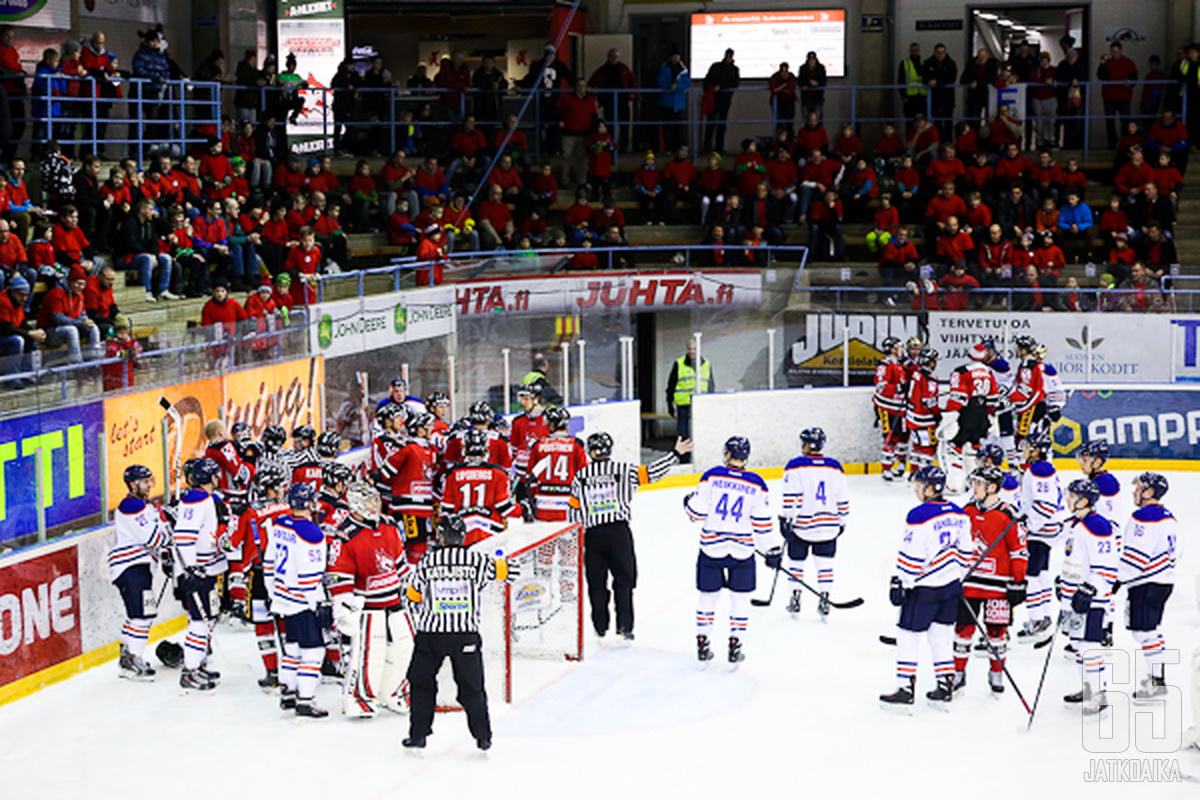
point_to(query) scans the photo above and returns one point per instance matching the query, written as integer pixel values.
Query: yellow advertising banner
(133, 429)
(288, 394)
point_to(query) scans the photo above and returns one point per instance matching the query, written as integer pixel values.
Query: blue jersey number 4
(725, 511)
(821, 491)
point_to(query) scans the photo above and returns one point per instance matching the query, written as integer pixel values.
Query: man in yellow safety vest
(681, 385)
(912, 95)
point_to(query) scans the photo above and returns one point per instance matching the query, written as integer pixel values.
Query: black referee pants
(466, 658)
(609, 548)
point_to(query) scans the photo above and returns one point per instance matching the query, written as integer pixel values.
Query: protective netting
(537, 615)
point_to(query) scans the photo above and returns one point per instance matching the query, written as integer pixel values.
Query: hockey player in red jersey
(367, 571)
(410, 473)
(236, 475)
(1028, 396)
(331, 508)
(922, 415)
(247, 587)
(528, 427)
(438, 404)
(997, 583)
(498, 452)
(891, 382)
(553, 462)
(386, 443)
(973, 397)
(476, 490)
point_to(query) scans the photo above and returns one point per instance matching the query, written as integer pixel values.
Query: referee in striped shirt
(444, 606)
(600, 497)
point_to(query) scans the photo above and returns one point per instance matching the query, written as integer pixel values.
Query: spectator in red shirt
(925, 295)
(121, 345)
(260, 307)
(544, 187)
(889, 146)
(749, 168)
(517, 146)
(811, 136)
(995, 257)
(942, 206)
(1132, 178)
(289, 176)
(468, 147)
(1045, 178)
(966, 142)
(397, 179)
(13, 258)
(509, 180)
(226, 312)
(71, 246)
(64, 318)
(825, 239)
(18, 335)
(900, 260)
(714, 184)
(10, 63)
(608, 216)
(1072, 177)
(956, 286)
(648, 189)
(577, 116)
(908, 185)
(1121, 256)
(860, 188)
(1119, 74)
(1013, 169)
(819, 175)
(1167, 178)
(923, 140)
(978, 218)
(847, 146)
(887, 220)
(681, 180)
(1031, 297)
(783, 177)
(1139, 292)
(431, 183)
(1170, 134)
(494, 221)
(98, 300)
(1043, 102)
(954, 246)
(600, 147)
(319, 177)
(400, 228)
(1050, 260)
(305, 264)
(210, 238)
(946, 168)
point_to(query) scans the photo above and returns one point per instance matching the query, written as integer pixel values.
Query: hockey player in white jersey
(200, 563)
(1092, 543)
(1006, 379)
(295, 568)
(1093, 461)
(1147, 570)
(1041, 501)
(927, 587)
(731, 504)
(142, 540)
(815, 506)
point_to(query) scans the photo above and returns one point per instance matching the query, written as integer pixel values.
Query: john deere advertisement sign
(373, 322)
(819, 342)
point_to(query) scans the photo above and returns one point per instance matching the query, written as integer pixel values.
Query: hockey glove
(785, 526)
(1016, 593)
(166, 558)
(527, 512)
(345, 613)
(774, 557)
(191, 582)
(896, 592)
(1081, 601)
(324, 613)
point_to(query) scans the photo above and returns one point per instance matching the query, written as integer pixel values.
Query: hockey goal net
(536, 616)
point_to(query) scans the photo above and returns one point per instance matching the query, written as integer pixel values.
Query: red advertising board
(39, 614)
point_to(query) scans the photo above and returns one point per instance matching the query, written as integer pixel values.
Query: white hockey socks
(941, 645)
(195, 644)
(1153, 651)
(289, 665)
(739, 614)
(1041, 592)
(1093, 667)
(135, 633)
(706, 612)
(793, 565)
(308, 673)
(907, 645)
(824, 565)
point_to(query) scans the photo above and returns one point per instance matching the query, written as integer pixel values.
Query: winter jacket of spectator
(673, 100)
(1080, 215)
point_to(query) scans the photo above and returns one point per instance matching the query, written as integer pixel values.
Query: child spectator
(1167, 178)
(543, 188)
(1045, 177)
(680, 179)
(364, 193)
(460, 225)
(1072, 177)
(260, 307)
(400, 230)
(600, 148)
(1120, 256)
(714, 183)
(977, 219)
(1049, 259)
(749, 168)
(304, 265)
(647, 187)
(825, 228)
(966, 142)
(887, 220)
(980, 174)
(889, 146)
(1075, 226)
(122, 345)
(860, 187)
(956, 286)
(908, 186)
(783, 177)
(1047, 216)
(847, 146)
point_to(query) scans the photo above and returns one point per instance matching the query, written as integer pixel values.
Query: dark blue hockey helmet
(203, 472)
(240, 431)
(992, 453)
(137, 472)
(1039, 442)
(301, 496)
(989, 344)
(1096, 448)
(1085, 490)
(1155, 482)
(737, 448)
(600, 445)
(814, 437)
(932, 476)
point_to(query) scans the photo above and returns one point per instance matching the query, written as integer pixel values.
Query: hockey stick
(996, 654)
(855, 603)
(891, 640)
(754, 601)
(1042, 682)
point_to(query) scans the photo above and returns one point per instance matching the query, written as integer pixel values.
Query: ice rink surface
(800, 717)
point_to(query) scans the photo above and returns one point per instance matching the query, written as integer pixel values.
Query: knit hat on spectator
(18, 284)
(1121, 236)
(265, 284)
(284, 280)
(76, 274)
(121, 321)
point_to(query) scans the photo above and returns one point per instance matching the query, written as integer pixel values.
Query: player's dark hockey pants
(609, 548)
(466, 658)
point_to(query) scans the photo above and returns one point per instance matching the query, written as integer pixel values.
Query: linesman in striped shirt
(600, 497)
(444, 595)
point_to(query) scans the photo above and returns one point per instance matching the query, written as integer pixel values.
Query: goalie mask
(364, 501)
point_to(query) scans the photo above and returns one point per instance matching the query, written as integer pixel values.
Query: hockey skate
(193, 680)
(287, 699)
(736, 656)
(1151, 689)
(212, 675)
(960, 680)
(793, 606)
(624, 638)
(704, 653)
(1034, 632)
(823, 606)
(1095, 705)
(308, 708)
(887, 474)
(331, 672)
(940, 697)
(269, 682)
(901, 699)
(133, 668)
(996, 682)
(414, 744)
